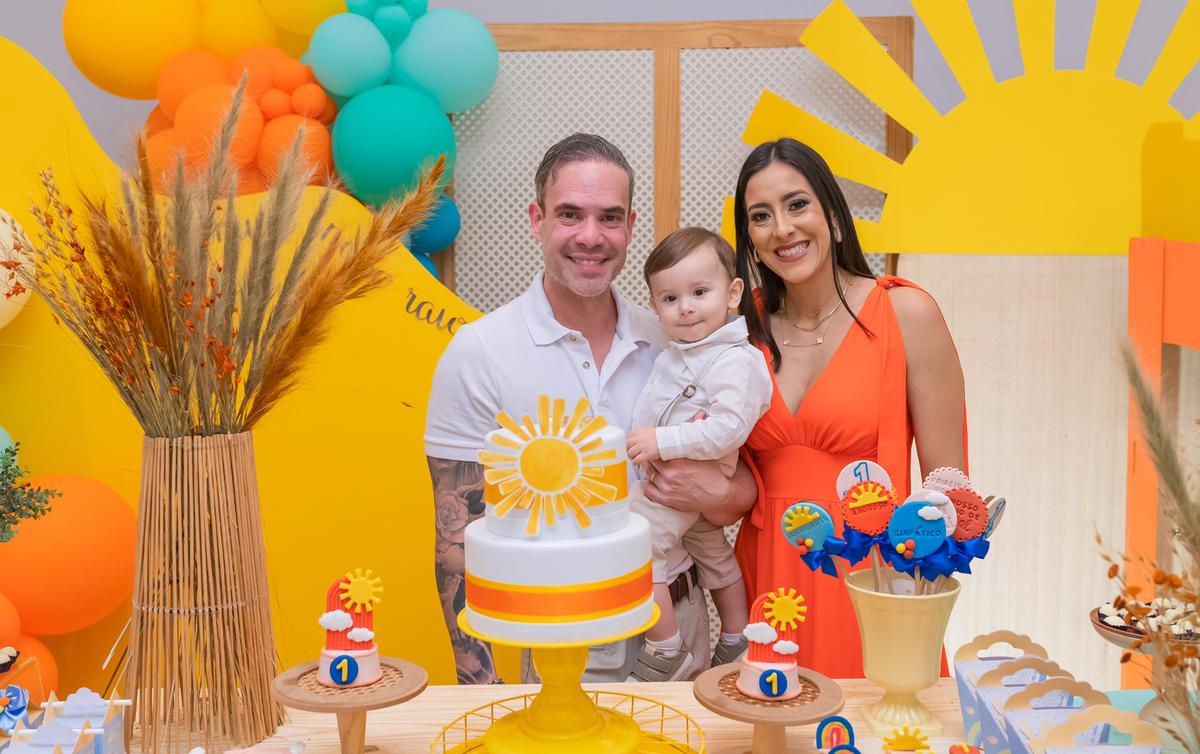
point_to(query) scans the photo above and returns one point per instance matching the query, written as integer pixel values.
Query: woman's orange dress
(856, 409)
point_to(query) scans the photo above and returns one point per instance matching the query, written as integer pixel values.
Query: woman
(861, 366)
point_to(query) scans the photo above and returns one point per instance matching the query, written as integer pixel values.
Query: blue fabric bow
(858, 545)
(937, 563)
(822, 560)
(962, 553)
(18, 702)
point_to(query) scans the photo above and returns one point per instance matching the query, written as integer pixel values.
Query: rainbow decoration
(836, 734)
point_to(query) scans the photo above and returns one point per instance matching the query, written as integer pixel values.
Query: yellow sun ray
(593, 471)
(535, 515)
(527, 423)
(581, 516)
(576, 416)
(578, 496)
(601, 490)
(510, 501)
(775, 117)
(499, 474)
(543, 410)
(1110, 28)
(506, 442)
(608, 454)
(497, 460)
(549, 509)
(595, 425)
(590, 446)
(952, 27)
(1035, 30)
(508, 485)
(556, 414)
(506, 421)
(841, 40)
(1178, 55)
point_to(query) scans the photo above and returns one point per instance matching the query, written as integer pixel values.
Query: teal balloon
(348, 54)
(439, 230)
(415, 8)
(451, 55)
(384, 137)
(394, 22)
(6, 440)
(364, 8)
(427, 263)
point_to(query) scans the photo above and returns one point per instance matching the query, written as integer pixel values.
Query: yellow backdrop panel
(341, 466)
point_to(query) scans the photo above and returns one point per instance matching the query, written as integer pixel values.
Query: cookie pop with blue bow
(809, 528)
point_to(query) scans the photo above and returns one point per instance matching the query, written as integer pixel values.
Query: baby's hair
(678, 245)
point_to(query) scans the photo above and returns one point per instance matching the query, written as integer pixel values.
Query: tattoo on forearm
(458, 500)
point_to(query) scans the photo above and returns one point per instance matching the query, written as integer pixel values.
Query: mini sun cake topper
(858, 472)
(917, 530)
(806, 526)
(556, 467)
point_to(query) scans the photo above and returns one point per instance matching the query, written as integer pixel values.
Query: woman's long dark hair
(847, 253)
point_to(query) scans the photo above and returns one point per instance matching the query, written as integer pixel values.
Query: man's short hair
(578, 148)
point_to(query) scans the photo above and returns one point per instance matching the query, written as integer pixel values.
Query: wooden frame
(667, 40)
(1161, 313)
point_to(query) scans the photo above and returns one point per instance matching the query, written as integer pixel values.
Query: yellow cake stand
(562, 718)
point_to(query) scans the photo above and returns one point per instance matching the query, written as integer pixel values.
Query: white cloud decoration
(931, 513)
(361, 634)
(786, 647)
(760, 633)
(336, 620)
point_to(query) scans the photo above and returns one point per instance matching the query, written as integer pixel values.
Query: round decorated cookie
(806, 526)
(867, 507)
(858, 472)
(943, 504)
(995, 507)
(917, 529)
(972, 514)
(946, 478)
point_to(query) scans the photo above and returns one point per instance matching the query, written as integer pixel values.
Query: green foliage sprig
(19, 500)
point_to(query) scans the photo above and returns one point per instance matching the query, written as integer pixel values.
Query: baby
(708, 370)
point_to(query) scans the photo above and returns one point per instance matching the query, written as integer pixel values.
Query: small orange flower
(1113, 570)
(1160, 576)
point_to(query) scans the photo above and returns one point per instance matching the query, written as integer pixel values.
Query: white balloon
(10, 307)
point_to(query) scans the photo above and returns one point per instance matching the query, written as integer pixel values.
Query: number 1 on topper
(861, 471)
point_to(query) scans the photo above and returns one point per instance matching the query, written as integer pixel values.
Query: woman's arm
(700, 486)
(936, 395)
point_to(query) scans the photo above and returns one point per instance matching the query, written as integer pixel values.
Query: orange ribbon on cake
(566, 603)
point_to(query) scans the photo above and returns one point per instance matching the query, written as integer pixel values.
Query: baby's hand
(642, 445)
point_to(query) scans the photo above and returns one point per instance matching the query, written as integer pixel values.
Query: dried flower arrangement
(1178, 682)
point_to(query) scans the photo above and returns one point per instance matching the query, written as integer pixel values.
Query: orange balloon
(289, 74)
(274, 103)
(162, 150)
(40, 677)
(185, 73)
(329, 111)
(157, 121)
(251, 180)
(259, 61)
(82, 553)
(10, 622)
(199, 119)
(277, 139)
(309, 100)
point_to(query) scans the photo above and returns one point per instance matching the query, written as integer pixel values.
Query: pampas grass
(1177, 683)
(201, 316)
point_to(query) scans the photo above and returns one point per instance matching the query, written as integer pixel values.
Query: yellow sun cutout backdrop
(1050, 162)
(361, 591)
(555, 468)
(785, 609)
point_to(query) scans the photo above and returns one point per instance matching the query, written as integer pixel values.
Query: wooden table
(411, 727)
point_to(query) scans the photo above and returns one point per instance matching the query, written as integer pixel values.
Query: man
(570, 334)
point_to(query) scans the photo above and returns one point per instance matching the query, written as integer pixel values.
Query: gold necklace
(819, 322)
(820, 338)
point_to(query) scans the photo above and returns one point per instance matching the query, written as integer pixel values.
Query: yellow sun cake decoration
(1079, 152)
(553, 468)
(785, 609)
(905, 740)
(361, 591)
(794, 518)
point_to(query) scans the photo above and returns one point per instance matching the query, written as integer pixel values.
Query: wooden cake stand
(821, 697)
(401, 681)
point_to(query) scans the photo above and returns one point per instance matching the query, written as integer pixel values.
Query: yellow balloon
(302, 16)
(294, 45)
(122, 45)
(232, 26)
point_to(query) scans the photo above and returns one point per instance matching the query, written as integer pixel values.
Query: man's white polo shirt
(509, 357)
